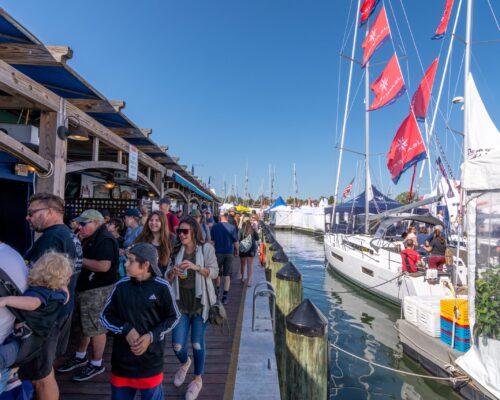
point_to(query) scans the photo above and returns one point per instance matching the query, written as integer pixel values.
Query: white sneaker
(180, 375)
(193, 390)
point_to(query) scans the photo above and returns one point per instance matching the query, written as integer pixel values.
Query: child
(140, 311)
(39, 306)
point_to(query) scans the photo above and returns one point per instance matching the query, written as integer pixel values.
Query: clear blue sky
(226, 82)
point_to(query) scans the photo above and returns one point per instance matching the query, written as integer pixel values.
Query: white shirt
(13, 265)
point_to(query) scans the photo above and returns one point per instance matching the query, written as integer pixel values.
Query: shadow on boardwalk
(220, 363)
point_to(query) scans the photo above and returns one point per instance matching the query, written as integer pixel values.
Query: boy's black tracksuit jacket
(147, 306)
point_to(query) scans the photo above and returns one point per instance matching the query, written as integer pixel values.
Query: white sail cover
(481, 168)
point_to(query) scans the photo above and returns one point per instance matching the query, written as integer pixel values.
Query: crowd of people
(136, 276)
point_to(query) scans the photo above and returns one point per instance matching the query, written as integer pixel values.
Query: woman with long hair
(247, 235)
(191, 270)
(437, 249)
(156, 232)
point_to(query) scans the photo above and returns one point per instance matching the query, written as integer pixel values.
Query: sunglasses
(183, 231)
(82, 224)
(30, 213)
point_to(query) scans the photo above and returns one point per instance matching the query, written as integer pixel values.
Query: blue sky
(225, 83)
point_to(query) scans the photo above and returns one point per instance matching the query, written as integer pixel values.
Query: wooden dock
(220, 365)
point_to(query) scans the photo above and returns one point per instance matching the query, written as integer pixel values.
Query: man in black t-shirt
(95, 283)
(45, 215)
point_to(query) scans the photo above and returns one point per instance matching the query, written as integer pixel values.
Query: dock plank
(217, 364)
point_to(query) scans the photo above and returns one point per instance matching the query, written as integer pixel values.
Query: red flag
(367, 8)
(407, 148)
(347, 190)
(441, 30)
(376, 37)
(420, 100)
(388, 86)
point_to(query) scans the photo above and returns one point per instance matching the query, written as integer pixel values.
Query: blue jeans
(180, 338)
(128, 393)
(8, 351)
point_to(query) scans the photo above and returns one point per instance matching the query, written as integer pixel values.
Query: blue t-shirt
(224, 236)
(46, 295)
(130, 235)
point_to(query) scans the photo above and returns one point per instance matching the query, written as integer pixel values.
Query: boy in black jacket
(140, 311)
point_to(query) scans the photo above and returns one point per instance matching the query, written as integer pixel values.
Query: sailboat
(370, 255)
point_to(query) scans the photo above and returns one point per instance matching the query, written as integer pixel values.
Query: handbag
(246, 244)
(216, 312)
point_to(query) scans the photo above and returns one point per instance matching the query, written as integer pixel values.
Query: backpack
(246, 244)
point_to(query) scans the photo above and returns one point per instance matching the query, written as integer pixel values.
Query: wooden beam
(34, 54)
(19, 150)
(83, 165)
(148, 181)
(13, 81)
(132, 132)
(98, 106)
(54, 149)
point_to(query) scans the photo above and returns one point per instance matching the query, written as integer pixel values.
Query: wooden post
(53, 149)
(279, 259)
(307, 345)
(95, 149)
(273, 248)
(119, 157)
(288, 296)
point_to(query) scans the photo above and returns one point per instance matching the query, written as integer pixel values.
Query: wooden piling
(273, 248)
(307, 345)
(278, 260)
(288, 296)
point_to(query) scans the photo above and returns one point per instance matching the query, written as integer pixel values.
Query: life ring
(262, 254)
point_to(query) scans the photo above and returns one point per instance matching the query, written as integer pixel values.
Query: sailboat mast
(368, 188)
(344, 123)
(295, 189)
(468, 37)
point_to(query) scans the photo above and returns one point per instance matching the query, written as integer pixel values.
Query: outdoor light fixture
(77, 134)
(109, 184)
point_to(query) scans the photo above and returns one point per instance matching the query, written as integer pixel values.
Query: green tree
(403, 197)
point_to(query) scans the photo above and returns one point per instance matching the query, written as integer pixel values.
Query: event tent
(379, 203)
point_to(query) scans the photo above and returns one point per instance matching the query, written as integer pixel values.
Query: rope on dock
(453, 379)
(354, 290)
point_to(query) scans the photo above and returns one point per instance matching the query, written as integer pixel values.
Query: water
(362, 325)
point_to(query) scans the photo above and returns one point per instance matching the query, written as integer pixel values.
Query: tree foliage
(403, 197)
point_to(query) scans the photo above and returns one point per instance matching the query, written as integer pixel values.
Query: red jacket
(410, 258)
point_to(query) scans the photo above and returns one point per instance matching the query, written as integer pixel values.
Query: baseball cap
(438, 227)
(195, 213)
(164, 200)
(224, 212)
(133, 212)
(147, 252)
(90, 215)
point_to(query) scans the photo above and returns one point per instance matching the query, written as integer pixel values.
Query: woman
(191, 271)
(437, 249)
(247, 235)
(205, 230)
(156, 232)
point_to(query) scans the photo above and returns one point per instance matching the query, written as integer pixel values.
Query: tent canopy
(242, 208)
(379, 203)
(279, 202)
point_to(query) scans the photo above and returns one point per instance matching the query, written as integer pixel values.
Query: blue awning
(189, 185)
(7, 163)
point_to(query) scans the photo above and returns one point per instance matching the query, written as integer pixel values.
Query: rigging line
(397, 27)
(460, 378)
(356, 290)
(338, 102)
(493, 13)
(347, 32)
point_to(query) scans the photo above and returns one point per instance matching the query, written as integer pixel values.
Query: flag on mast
(378, 34)
(420, 100)
(367, 8)
(388, 86)
(407, 148)
(443, 24)
(347, 190)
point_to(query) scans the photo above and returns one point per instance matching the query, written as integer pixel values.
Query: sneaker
(73, 363)
(180, 375)
(193, 390)
(224, 300)
(88, 372)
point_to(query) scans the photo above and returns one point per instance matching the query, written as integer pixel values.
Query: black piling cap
(306, 320)
(269, 238)
(280, 256)
(275, 246)
(289, 273)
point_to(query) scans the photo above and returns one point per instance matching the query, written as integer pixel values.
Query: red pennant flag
(441, 30)
(376, 37)
(407, 148)
(420, 100)
(388, 86)
(367, 8)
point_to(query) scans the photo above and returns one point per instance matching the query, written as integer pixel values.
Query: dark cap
(133, 212)
(147, 252)
(164, 200)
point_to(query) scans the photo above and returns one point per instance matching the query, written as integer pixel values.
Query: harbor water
(362, 325)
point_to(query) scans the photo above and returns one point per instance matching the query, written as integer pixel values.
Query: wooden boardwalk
(220, 364)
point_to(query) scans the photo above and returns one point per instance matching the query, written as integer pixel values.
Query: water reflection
(362, 325)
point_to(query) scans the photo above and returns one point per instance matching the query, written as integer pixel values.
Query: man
(232, 217)
(45, 215)
(225, 239)
(410, 258)
(133, 220)
(210, 220)
(173, 221)
(95, 283)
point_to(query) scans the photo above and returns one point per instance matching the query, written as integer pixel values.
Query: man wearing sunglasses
(45, 215)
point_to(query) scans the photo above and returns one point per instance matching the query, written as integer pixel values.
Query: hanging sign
(133, 162)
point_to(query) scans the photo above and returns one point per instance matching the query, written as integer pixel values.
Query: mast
(468, 36)
(344, 123)
(368, 183)
(246, 185)
(270, 186)
(295, 187)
